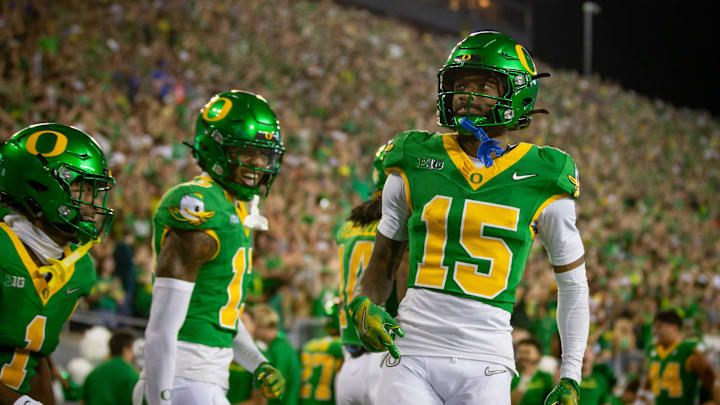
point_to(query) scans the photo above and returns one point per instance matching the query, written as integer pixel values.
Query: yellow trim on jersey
(239, 209)
(542, 207)
(214, 236)
(43, 289)
(468, 169)
(406, 183)
(663, 353)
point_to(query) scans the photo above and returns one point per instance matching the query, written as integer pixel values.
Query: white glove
(26, 400)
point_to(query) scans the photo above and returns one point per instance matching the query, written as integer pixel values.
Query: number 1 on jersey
(13, 374)
(231, 311)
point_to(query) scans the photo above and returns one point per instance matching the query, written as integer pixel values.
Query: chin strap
(487, 145)
(58, 268)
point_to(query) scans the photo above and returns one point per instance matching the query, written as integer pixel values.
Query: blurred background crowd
(342, 81)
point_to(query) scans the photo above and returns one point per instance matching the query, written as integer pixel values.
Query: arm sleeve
(171, 299)
(557, 230)
(395, 211)
(245, 353)
(558, 233)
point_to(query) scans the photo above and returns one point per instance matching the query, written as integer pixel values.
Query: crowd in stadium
(344, 81)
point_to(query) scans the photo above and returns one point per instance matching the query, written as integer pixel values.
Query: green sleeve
(394, 156)
(568, 177)
(189, 207)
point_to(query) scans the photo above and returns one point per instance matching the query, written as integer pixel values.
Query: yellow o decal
(60, 143)
(223, 111)
(466, 57)
(521, 55)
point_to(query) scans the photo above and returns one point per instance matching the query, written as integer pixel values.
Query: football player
(321, 360)
(470, 210)
(54, 182)
(202, 240)
(678, 372)
(355, 242)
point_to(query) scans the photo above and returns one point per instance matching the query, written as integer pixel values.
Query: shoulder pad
(568, 177)
(395, 152)
(190, 206)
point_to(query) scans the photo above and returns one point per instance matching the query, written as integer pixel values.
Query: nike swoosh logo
(364, 329)
(70, 291)
(524, 176)
(489, 372)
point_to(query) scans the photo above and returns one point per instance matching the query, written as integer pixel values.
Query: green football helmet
(378, 175)
(232, 126)
(510, 62)
(45, 172)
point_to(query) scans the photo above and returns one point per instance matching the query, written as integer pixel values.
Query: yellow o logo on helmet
(211, 114)
(524, 59)
(58, 148)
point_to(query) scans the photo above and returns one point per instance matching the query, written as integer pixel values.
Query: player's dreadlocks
(367, 212)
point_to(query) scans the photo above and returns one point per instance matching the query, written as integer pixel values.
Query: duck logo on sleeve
(191, 210)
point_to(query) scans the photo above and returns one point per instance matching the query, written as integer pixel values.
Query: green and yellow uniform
(321, 360)
(596, 389)
(111, 383)
(671, 380)
(470, 229)
(33, 311)
(241, 384)
(283, 356)
(538, 388)
(355, 245)
(219, 294)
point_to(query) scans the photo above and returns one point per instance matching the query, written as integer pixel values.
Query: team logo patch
(191, 210)
(14, 281)
(429, 163)
(390, 361)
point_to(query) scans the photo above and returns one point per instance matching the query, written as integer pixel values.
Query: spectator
(279, 352)
(112, 382)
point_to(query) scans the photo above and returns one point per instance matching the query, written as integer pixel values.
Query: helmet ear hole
(39, 187)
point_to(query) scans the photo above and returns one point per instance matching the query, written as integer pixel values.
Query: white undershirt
(438, 324)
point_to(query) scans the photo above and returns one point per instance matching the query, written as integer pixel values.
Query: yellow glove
(375, 327)
(270, 380)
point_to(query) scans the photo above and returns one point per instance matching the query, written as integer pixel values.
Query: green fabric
(354, 249)
(489, 201)
(595, 389)
(283, 356)
(241, 384)
(355, 245)
(670, 380)
(204, 206)
(539, 387)
(321, 361)
(25, 316)
(110, 383)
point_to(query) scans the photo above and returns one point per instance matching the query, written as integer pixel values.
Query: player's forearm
(171, 298)
(573, 319)
(245, 353)
(41, 384)
(376, 281)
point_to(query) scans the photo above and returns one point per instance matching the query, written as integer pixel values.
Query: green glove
(376, 328)
(270, 380)
(564, 393)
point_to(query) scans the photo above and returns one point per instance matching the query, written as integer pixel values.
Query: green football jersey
(671, 381)
(537, 389)
(355, 245)
(218, 297)
(596, 389)
(321, 360)
(32, 310)
(470, 229)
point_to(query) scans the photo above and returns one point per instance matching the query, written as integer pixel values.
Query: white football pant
(443, 380)
(187, 392)
(357, 381)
